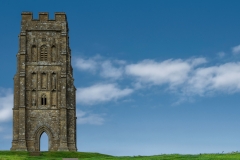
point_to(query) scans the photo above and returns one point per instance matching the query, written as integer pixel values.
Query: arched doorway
(44, 142)
(45, 133)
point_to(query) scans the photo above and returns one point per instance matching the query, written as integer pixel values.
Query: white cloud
(101, 93)
(236, 49)
(172, 72)
(109, 71)
(225, 77)
(120, 62)
(89, 118)
(196, 61)
(221, 54)
(106, 68)
(6, 104)
(86, 64)
(185, 77)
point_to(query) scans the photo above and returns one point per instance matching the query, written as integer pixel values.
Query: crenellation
(60, 16)
(27, 16)
(44, 17)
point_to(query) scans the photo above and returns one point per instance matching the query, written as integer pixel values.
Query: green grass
(17, 155)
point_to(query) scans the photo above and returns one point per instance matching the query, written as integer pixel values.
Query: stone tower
(44, 93)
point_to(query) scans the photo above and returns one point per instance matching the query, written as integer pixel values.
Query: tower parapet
(44, 16)
(43, 22)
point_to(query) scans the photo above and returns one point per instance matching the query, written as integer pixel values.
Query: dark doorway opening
(44, 142)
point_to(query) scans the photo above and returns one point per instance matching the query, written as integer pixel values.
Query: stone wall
(44, 93)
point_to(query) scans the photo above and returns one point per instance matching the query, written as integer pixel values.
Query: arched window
(34, 53)
(44, 100)
(33, 98)
(43, 53)
(34, 80)
(54, 81)
(44, 80)
(53, 50)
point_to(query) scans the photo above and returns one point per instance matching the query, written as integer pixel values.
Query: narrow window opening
(44, 81)
(43, 55)
(44, 100)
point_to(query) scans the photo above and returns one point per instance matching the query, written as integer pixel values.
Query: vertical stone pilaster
(63, 133)
(63, 116)
(15, 129)
(21, 114)
(22, 128)
(22, 90)
(71, 130)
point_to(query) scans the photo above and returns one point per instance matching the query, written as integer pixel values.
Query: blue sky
(152, 77)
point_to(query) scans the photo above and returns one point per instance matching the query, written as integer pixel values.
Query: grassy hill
(16, 155)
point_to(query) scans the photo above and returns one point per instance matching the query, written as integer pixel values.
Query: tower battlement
(44, 16)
